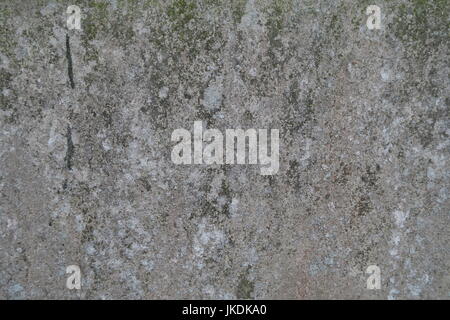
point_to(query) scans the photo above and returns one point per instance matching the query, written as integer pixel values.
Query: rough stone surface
(86, 176)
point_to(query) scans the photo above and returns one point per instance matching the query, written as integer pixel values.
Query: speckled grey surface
(86, 176)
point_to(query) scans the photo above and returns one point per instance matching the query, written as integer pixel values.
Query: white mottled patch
(399, 221)
(206, 239)
(385, 75)
(392, 294)
(400, 218)
(163, 92)
(213, 96)
(90, 250)
(234, 206)
(148, 265)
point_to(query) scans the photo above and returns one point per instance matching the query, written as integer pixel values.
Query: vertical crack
(70, 149)
(69, 61)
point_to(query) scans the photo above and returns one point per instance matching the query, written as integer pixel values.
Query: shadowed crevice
(69, 62)
(70, 149)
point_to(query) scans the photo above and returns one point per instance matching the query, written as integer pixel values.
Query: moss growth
(422, 24)
(98, 20)
(245, 288)
(189, 30)
(300, 113)
(237, 10)
(8, 42)
(275, 19)
(100, 6)
(180, 12)
(8, 46)
(102, 21)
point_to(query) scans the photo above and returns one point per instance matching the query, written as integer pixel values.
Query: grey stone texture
(86, 176)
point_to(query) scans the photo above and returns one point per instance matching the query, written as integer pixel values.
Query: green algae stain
(238, 10)
(422, 24)
(181, 12)
(245, 288)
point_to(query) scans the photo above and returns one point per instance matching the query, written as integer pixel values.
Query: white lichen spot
(206, 240)
(392, 294)
(163, 92)
(213, 96)
(106, 144)
(399, 221)
(250, 20)
(15, 290)
(400, 218)
(90, 250)
(234, 206)
(385, 75)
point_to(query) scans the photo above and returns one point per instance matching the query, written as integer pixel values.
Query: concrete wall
(86, 176)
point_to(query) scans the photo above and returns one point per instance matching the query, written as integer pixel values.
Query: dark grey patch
(293, 174)
(364, 206)
(344, 173)
(145, 183)
(370, 178)
(299, 116)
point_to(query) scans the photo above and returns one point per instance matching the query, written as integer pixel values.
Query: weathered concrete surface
(86, 176)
